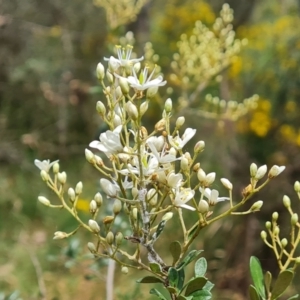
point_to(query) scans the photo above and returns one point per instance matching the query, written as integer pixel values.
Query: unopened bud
(151, 92)
(119, 238)
(261, 172)
(135, 192)
(168, 105)
(110, 238)
(184, 164)
(199, 147)
(93, 206)
(59, 235)
(62, 177)
(56, 168)
(44, 175)
(134, 213)
(109, 76)
(263, 235)
(94, 226)
(196, 167)
(257, 206)
(100, 107)
(297, 186)
(91, 247)
(226, 183)
(124, 270)
(210, 178)
(284, 242)
(143, 133)
(98, 199)
(201, 175)
(71, 194)
(100, 71)
(108, 188)
(297, 260)
(276, 231)
(275, 171)
(118, 93)
(124, 85)
(275, 216)
(131, 110)
(152, 197)
(78, 188)
(117, 206)
(98, 160)
(286, 201)
(44, 200)
(137, 67)
(253, 169)
(89, 155)
(180, 121)
(294, 219)
(160, 125)
(268, 225)
(203, 207)
(143, 108)
(108, 220)
(168, 216)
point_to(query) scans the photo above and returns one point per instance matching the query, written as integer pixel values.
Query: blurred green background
(48, 90)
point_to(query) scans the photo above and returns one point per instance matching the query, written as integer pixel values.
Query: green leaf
(171, 290)
(294, 297)
(181, 278)
(208, 286)
(202, 295)
(195, 284)
(155, 267)
(149, 279)
(159, 230)
(253, 293)
(189, 258)
(173, 277)
(283, 281)
(184, 298)
(158, 294)
(257, 276)
(175, 249)
(268, 281)
(200, 267)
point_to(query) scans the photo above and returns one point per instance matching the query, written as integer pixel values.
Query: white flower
(212, 196)
(275, 171)
(178, 142)
(162, 157)
(110, 189)
(143, 82)
(182, 197)
(110, 142)
(124, 55)
(261, 172)
(174, 180)
(158, 142)
(44, 165)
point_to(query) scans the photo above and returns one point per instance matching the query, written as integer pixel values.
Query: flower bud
(119, 238)
(110, 238)
(276, 231)
(196, 167)
(199, 147)
(131, 110)
(226, 183)
(151, 92)
(56, 168)
(109, 76)
(294, 219)
(137, 67)
(168, 216)
(117, 206)
(297, 186)
(152, 197)
(44, 175)
(275, 171)
(78, 188)
(108, 188)
(184, 164)
(93, 206)
(180, 121)
(203, 207)
(286, 201)
(59, 235)
(201, 175)
(100, 71)
(268, 225)
(168, 105)
(210, 178)
(173, 151)
(89, 155)
(62, 177)
(71, 194)
(98, 160)
(98, 199)
(91, 247)
(124, 270)
(94, 226)
(118, 92)
(257, 206)
(160, 125)
(284, 242)
(134, 213)
(124, 85)
(275, 216)
(100, 107)
(253, 169)
(108, 220)
(44, 200)
(143, 108)
(261, 172)
(297, 260)
(263, 235)
(135, 192)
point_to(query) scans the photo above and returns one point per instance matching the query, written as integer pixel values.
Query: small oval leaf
(257, 276)
(253, 293)
(268, 281)
(149, 279)
(175, 249)
(173, 277)
(158, 294)
(189, 258)
(155, 267)
(194, 285)
(283, 281)
(200, 267)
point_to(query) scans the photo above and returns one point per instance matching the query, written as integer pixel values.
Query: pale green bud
(124, 270)
(100, 107)
(201, 175)
(44, 200)
(294, 219)
(137, 67)
(261, 172)
(275, 216)
(143, 108)
(263, 235)
(297, 186)
(98, 160)
(117, 206)
(119, 238)
(124, 85)
(286, 201)
(110, 238)
(152, 196)
(196, 167)
(92, 247)
(210, 178)
(151, 92)
(59, 235)
(275, 171)
(94, 226)
(109, 76)
(98, 199)
(172, 151)
(168, 216)
(44, 175)
(134, 213)
(62, 177)
(131, 110)
(180, 121)
(93, 206)
(268, 225)
(184, 164)
(257, 206)
(276, 230)
(100, 71)
(168, 105)
(297, 260)
(135, 192)
(89, 155)
(199, 147)
(203, 207)
(119, 94)
(253, 169)
(56, 168)
(71, 194)
(78, 188)
(284, 242)
(226, 183)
